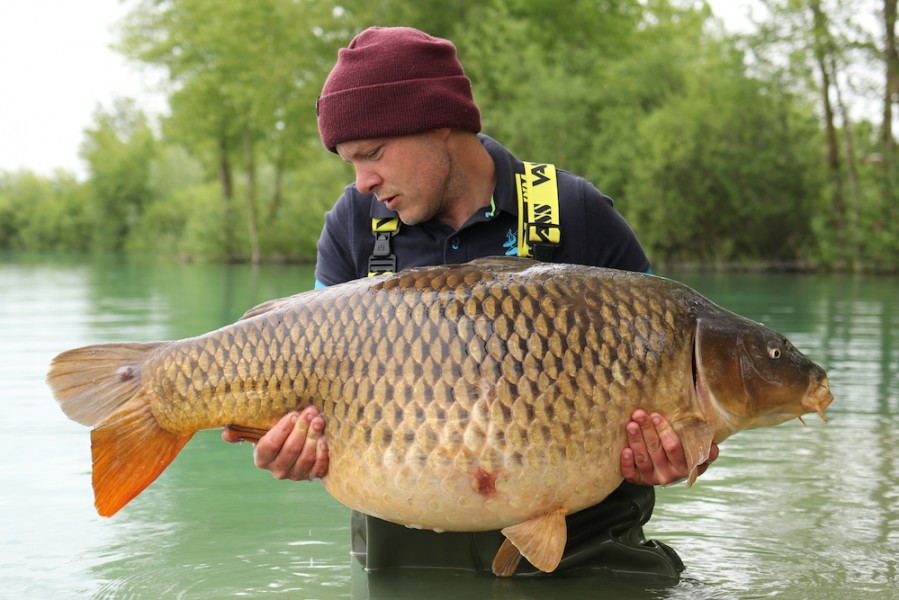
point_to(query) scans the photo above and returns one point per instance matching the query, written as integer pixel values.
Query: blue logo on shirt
(511, 243)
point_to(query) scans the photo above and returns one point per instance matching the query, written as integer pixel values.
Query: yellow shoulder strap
(538, 211)
(382, 260)
(538, 220)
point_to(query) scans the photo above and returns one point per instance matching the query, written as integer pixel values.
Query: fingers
(294, 448)
(654, 455)
(304, 440)
(671, 460)
(628, 467)
(320, 467)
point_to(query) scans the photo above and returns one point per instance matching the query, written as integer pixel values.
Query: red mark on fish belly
(485, 483)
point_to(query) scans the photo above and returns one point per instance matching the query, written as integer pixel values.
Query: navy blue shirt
(592, 231)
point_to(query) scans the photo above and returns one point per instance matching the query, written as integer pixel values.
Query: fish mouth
(818, 396)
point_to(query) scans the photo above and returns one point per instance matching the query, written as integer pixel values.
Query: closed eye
(374, 154)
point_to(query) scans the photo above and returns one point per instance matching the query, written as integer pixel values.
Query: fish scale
(495, 348)
(471, 397)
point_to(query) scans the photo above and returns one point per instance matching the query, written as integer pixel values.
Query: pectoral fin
(696, 436)
(252, 433)
(540, 540)
(506, 560)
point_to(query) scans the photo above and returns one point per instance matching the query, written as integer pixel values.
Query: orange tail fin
(101, 386)
(130, 451)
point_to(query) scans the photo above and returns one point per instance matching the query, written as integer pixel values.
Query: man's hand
(293, 449)
(654, 455)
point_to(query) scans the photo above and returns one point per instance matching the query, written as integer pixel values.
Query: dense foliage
(715, 148)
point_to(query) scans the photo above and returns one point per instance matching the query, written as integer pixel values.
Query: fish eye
(774, 352)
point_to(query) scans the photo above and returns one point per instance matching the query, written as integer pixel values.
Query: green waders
(608, 536)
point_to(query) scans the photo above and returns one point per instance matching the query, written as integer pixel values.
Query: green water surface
(788, 512)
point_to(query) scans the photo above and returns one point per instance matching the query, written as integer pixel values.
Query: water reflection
(228, 528)
(791, 512)
(823, 498)
(444, 585)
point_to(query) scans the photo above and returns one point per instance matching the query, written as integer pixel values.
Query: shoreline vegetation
(786, 267)
(660, 267)
(720, 154)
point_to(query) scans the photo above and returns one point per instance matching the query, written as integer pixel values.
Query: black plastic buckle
(382, 244)
(381, 264)
(381, 260)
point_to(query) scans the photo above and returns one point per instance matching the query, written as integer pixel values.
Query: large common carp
(489, 395)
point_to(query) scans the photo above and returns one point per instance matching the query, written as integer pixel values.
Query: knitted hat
(393, 81)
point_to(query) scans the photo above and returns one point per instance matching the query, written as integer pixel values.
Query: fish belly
(466, 491)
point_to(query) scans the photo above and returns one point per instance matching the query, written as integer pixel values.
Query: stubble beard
(446, 195)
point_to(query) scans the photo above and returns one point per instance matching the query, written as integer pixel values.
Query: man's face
(409, 174)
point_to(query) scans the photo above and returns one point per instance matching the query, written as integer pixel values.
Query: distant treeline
(718, 148)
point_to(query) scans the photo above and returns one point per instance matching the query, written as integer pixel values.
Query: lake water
(788, 512)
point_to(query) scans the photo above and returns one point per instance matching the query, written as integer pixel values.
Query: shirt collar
(504, 195)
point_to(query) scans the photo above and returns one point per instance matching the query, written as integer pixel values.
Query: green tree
(725, 172)
(179, 187)
(119, 149)
(246, 74)
(825, 42)
(707, 141)
(40, 214)
(707, 162)
(888, 165)
(539, 73)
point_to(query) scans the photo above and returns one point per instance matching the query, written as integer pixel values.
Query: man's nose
(367, 181)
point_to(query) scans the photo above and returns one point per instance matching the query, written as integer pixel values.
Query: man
(398, 107)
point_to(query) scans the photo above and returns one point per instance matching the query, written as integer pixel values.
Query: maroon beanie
(393, 81)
